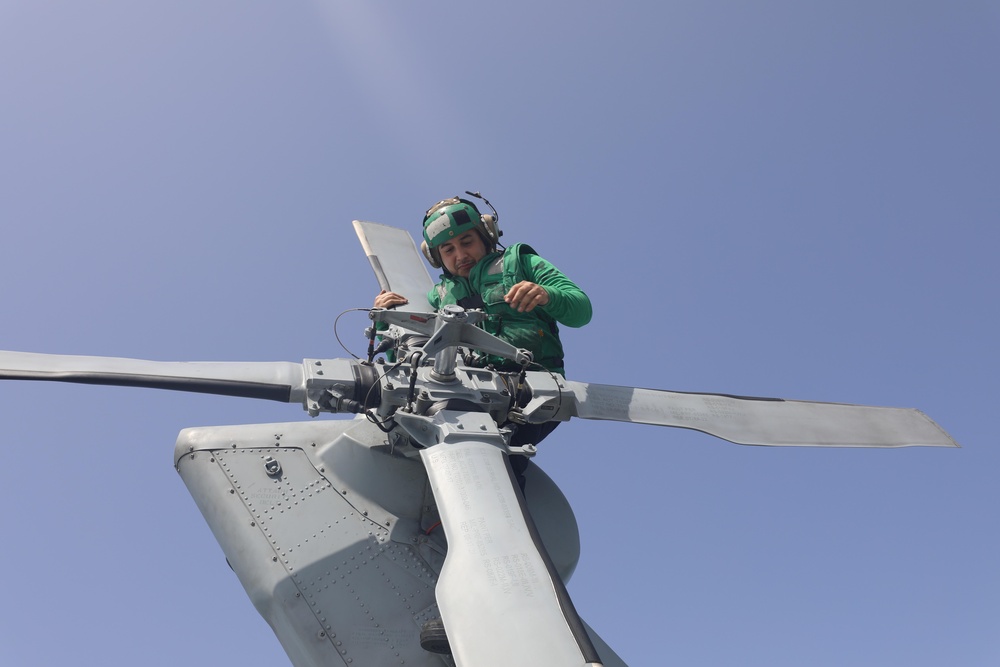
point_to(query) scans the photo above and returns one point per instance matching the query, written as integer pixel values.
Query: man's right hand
(389, 300)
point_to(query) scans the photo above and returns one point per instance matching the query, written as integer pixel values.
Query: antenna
(477, 195)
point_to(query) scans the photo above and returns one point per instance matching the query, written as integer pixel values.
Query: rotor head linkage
(450, 320)
(452, 327)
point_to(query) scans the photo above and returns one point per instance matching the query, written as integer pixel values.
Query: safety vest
(490, 280)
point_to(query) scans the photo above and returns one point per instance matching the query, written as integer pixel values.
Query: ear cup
(489, 225)
(432, 257)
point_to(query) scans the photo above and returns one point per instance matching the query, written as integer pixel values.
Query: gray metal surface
(759, 421)
(397, 262)
(340, 578)
(333, 533)
(498, 600)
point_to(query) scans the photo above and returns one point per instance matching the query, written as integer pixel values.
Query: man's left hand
(524, 297)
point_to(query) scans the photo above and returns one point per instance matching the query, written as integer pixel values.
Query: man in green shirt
(525, 296)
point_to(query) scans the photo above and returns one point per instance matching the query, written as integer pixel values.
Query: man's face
(462, 253)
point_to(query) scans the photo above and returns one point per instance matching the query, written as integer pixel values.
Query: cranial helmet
(449, 219)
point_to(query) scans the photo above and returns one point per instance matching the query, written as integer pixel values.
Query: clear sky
(792, 199)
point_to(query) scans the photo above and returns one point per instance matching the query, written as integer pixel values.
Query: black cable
(337, 336)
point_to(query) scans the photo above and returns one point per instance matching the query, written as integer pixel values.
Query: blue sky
(777, 198)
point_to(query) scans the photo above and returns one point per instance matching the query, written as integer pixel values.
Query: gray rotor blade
(397, 264)
(761, 421)
(276, 381)
(500, 599)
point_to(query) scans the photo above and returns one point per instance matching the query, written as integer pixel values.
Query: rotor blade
(501, 600)
(276, 381)
(396, 262)
(761, 421)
